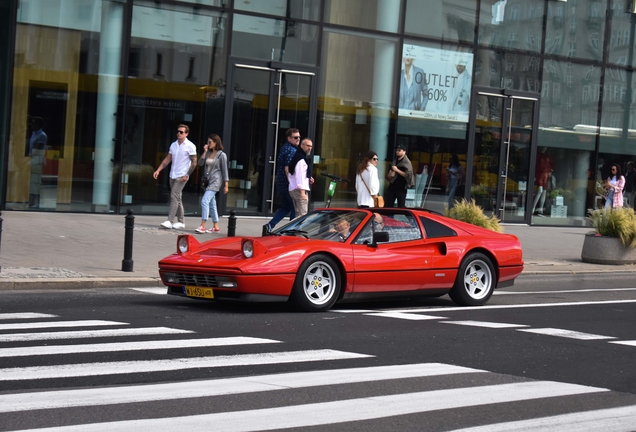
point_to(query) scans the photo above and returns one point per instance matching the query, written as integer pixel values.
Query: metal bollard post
(127, 262)
(0, 233)
(231, 224)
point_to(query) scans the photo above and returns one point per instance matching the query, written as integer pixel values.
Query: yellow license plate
(192, 291)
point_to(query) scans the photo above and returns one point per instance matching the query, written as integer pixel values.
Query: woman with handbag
(215, 162)
(367, 181)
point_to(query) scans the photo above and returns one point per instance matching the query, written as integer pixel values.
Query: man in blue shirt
(285, 155)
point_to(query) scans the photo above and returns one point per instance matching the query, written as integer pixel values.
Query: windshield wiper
(295, 232)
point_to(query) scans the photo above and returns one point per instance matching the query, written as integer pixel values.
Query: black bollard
(0, 233)
(127, 262)
(231, 224)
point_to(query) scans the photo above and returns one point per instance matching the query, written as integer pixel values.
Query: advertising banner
(435, 83)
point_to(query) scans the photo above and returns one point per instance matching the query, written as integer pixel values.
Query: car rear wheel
(317, 284)
(475, 281)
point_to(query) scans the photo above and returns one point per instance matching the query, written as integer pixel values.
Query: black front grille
(199, 280)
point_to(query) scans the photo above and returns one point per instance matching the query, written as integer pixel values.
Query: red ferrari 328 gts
(332, 255)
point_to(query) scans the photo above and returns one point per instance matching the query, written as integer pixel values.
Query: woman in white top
(367, 181)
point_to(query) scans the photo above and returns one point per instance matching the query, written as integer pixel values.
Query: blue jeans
(287, 207)
(609, 202)
(452, 188)
(208, 206)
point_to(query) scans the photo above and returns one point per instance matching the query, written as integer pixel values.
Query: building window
(572, 49)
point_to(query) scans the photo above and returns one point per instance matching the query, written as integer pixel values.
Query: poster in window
(435, 83)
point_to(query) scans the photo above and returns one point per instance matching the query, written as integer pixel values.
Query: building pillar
(107, 97)
(383, 79)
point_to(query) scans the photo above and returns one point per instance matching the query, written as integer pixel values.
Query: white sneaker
(167, 224)
(178, 225)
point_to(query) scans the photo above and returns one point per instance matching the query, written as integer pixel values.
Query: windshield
(331, 225)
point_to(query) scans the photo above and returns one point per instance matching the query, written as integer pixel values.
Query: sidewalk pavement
(69, 250)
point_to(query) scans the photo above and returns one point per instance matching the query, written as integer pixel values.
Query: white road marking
(131, 367)
(485, 324)
(628, 343)
(23, 337)
(219, 387)
(576, 291)
(161, 291)
(490, 307)
(346, 311)
(406, 316)
(620, 419)
(49, 324)
(131, 346)
(318, 414)
(566, 334)
(25, 315)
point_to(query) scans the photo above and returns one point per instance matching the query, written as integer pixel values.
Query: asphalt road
(553, 353)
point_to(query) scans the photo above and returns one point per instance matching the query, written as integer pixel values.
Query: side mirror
(380, 237)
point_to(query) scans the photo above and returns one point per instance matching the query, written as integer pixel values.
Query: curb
(153, 282)
(79, 283)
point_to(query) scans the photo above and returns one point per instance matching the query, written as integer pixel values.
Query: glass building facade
(535, 97)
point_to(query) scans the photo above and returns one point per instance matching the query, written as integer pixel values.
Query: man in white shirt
(183, 155)
(299, 180)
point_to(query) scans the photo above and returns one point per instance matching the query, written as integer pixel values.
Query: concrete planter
(606, 250)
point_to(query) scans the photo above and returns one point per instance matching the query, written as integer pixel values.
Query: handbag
(378, 201)
(205, 181)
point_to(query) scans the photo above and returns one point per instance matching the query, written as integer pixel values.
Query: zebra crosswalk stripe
(340, 411)
(130, 367)
(82, 334)
(50, 324)
(220, 387)
(620, 419)
(131, 346)
(25, 315)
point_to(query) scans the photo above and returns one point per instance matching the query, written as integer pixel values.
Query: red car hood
(227, 252)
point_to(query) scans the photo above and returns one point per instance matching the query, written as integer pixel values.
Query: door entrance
(503, 127)
(265, 102)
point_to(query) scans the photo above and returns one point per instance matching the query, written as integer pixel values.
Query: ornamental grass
(615, 222)
(470, 212)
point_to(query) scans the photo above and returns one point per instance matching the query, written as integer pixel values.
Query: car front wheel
(317, 284)
(475, 281)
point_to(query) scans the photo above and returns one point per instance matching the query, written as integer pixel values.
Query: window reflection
(368, 14)
(274, 39)
(299, 9)
(575, 29)
(618, 125)
(621, 44)
(567, 133)
(507, 70)
(450, 20)
(513, 24)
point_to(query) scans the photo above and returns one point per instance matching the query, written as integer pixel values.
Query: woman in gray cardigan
(215, 162)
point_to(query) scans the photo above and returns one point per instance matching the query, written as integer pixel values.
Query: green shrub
(470, 212)
(615, 222)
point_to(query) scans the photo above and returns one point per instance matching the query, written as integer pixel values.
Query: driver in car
(341, 230)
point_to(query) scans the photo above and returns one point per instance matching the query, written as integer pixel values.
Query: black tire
(317, 285)
(475, 281)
